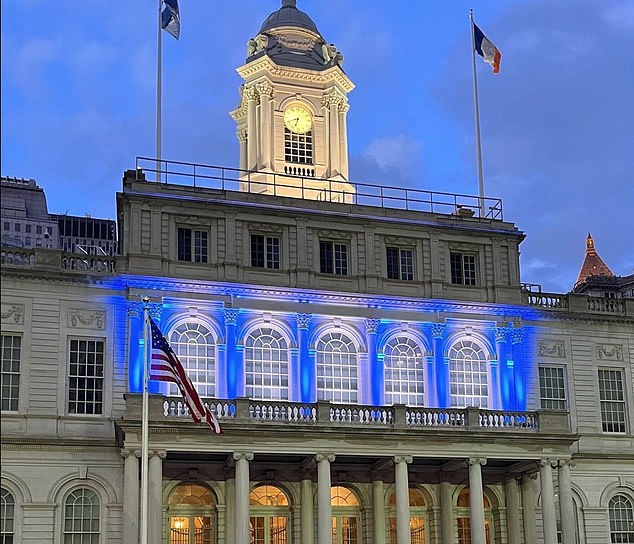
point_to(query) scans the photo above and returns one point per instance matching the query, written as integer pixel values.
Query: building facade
(378, 371)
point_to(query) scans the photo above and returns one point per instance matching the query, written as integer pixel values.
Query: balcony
(325, 415)
(572, 303)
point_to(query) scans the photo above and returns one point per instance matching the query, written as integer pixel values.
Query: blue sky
(78, 105)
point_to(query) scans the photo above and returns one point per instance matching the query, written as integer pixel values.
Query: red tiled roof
(593, 265)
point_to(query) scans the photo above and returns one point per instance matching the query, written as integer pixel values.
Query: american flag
(166, 367)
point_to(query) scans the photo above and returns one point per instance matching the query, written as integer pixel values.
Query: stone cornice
(265, 64)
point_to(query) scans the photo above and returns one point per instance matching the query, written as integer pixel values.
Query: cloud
(400, 152)
(620, 15)
(29, 60)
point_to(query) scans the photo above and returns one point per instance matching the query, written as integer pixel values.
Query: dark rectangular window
(298, 148)
(265, 251)
(17, 227)
(333, 258)
(400, 263)
(27, 229)
(10, 349)
(463, 270)
(38, 229)
(612, 401)
(192, 245)
(6, 225)
(85, 377)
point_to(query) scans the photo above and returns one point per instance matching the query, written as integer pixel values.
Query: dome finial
(289, 3)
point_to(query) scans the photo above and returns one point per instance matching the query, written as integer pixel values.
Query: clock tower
(291, 120)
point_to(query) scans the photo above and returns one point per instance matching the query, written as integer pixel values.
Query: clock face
(298, 119)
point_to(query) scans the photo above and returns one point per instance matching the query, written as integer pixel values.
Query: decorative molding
(438, 330)
(463, 246)
(477, 461)
(333, 98)
(257, 44)
(240, 455)
(250, 93)
(265, 228)
(403, 459)
(371, 326)
(320, 457)
(609, 352)
(297, 43)
(516, 335)
(12, 313)
(500, 334)
(135, 308)
(400, 241)
(303, 320)
(86, 319)
(231, 315)
(264, 88)
(552, 348)
(334, 235)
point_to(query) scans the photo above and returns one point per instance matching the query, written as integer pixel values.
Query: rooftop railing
(575, 303)
(368, 194)
(55, 260)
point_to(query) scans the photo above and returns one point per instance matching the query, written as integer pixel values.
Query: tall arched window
(403, 363)
(417, 523)
(345, 516)
(336, 358)
(621, 512)
(191, 515)
(266, 369)
(82, 517)
(194, 345)
(269, 515)
(468, 374)
(7, 518)
(463, 518)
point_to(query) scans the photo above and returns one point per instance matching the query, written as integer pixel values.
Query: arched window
(269, 515)
(82, 517)
(194, 345)
(336, 358)
(417, 520)
(7, 518)
(191, 515)
(345, 516)
(403, 363)
(621, 512)
(463, 518)
(468, 375)
(266, 372)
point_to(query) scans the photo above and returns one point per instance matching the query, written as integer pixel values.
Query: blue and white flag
(170, 18)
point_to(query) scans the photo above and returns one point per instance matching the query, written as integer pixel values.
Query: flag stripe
(486, 49)
(166, 367)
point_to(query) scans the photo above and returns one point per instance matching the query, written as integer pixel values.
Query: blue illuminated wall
(506, 341)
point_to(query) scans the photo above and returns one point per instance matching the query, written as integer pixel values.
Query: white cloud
(400, 152)
(29, 60)
(620, 15)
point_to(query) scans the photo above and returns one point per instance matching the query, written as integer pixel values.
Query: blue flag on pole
(170, 18)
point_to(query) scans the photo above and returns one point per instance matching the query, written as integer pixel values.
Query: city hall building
(379, 371)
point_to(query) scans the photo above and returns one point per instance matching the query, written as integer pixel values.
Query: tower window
(463, 269)
(298, 148)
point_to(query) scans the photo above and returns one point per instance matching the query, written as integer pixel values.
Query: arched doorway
(417, 520)
(269, 519)
(463, 518)
(346, 519)
(191, 510)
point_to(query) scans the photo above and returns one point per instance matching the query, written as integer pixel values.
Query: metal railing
(310, 187)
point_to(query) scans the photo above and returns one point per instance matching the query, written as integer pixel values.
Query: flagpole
(159, 48)
(477, 120)
(144, 425)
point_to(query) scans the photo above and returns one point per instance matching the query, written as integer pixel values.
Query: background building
(379, 372)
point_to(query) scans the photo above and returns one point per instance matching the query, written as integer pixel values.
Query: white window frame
(464, 390)
(404, 372)
(603, 403)
(335, 246)
(277, 365)
(10, 375)
(614, 529)
(198, 254)
(405, 271)
(82, 535)
(103, 377)
(198, 358)
(330, 372)
(549, 388)
(268, 259)
(467, 278)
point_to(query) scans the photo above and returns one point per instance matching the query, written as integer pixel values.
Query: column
(505, 382)
(378, 511)
(135, 348)
(548, 501)
(566, 504)
(308, 512)
(242, 497)
(130, 520)
(325, 111)
(266, 124)
(343, 138)
(478, 533)
(334, 135)
(442, 370)
(230, 512)
(232, 365)
(403, 533)
(528, 508)
(518, 369)
(306, 368)
(324, 506)
(375, 366)
(446, 512)
(512, 511)
(155, 496)
(251, 95)
(242, 138)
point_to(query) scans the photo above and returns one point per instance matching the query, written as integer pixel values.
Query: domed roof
(289, 15)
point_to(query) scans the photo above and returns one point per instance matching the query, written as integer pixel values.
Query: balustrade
(324, 413)
(24, 259)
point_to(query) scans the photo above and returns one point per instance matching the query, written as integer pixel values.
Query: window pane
(298, 148)
(272, 252)
(184, 245)
(257, 250)
(468, 374)
(336, 359)
(621, 512)
(85, 377)
(10, 349)
(81, 517)
(326, 261)
(266, 372)
(403, 361)
(551, 388)
(195, 347)
(407, 264)
(341, 259)
(392, 263)
(200, 246)
(7, 516)
(612, 401)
